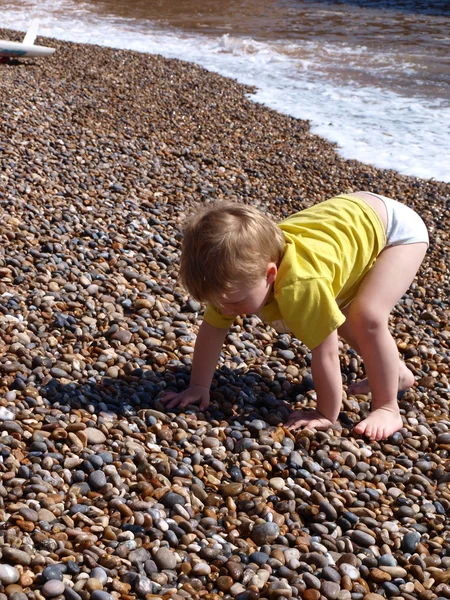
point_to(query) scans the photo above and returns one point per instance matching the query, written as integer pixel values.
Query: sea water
(371, 76)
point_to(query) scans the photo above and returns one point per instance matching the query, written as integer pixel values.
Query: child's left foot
(405, 381)
(380, 424)
(308, 418)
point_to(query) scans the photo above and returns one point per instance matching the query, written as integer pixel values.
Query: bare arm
(206, 355)
(326, 372)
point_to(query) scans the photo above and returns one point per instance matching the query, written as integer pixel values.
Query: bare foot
(380, 424)
(405, 381)
(308, 418)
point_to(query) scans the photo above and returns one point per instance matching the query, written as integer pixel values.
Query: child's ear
(272, 271)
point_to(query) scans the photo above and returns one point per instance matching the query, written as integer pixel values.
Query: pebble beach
(103, 494)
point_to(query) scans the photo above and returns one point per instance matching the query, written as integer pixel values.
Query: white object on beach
(6, 415)
(27, 48)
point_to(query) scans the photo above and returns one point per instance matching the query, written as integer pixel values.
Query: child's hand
(308, 418)
(193, 394)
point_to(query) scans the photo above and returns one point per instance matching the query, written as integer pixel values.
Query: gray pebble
(165, 559)
(410, 541)
(97, 480)
(361, 538)
(8, 574)
(53, 588)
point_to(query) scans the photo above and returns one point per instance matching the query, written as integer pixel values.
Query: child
(338, 267)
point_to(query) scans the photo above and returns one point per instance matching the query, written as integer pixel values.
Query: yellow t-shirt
(329, 249)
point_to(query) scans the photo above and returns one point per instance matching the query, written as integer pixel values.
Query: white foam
(372, 124)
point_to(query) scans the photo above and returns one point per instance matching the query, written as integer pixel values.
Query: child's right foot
(405, 381)
(380, 424)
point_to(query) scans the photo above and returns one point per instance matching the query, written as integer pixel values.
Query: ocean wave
(348, 94)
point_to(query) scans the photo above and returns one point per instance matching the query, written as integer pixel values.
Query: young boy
(338, 267)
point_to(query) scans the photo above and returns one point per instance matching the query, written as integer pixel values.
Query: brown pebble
(93, 584)
(224, 583)
(380, 576)
(311, 594)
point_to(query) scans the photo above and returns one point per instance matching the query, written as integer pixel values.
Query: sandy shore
(102, 154)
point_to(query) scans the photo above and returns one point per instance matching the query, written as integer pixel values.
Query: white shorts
(404, 226)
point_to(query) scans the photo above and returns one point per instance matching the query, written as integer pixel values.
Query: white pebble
(6, 415)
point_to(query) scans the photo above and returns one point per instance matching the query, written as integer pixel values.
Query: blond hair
(226, 245)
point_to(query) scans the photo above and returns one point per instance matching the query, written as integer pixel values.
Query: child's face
(248, 300)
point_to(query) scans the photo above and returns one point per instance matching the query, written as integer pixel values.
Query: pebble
(53, 572)
(330, 589)
(201, 568)
(99, 574)
(6, 415)
(224, 583)
(362, 539)
(101, 595)
(165, 559)
(265, 533)
(411, 541)
(16, 556)
(52, 588)
(349, 571)
(8, 574)
(394, 572)
(94, 436)
(103, 488)
(97, 480)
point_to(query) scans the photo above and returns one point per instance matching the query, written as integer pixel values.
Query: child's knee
(366, 319)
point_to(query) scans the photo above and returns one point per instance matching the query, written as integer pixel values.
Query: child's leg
(405, 377)
(368, 316)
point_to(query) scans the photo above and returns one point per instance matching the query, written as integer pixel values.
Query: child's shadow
(125, 417)
(236, 397)
(126, 395)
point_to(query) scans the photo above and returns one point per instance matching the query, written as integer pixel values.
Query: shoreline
(381, 153)
(102, 156)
